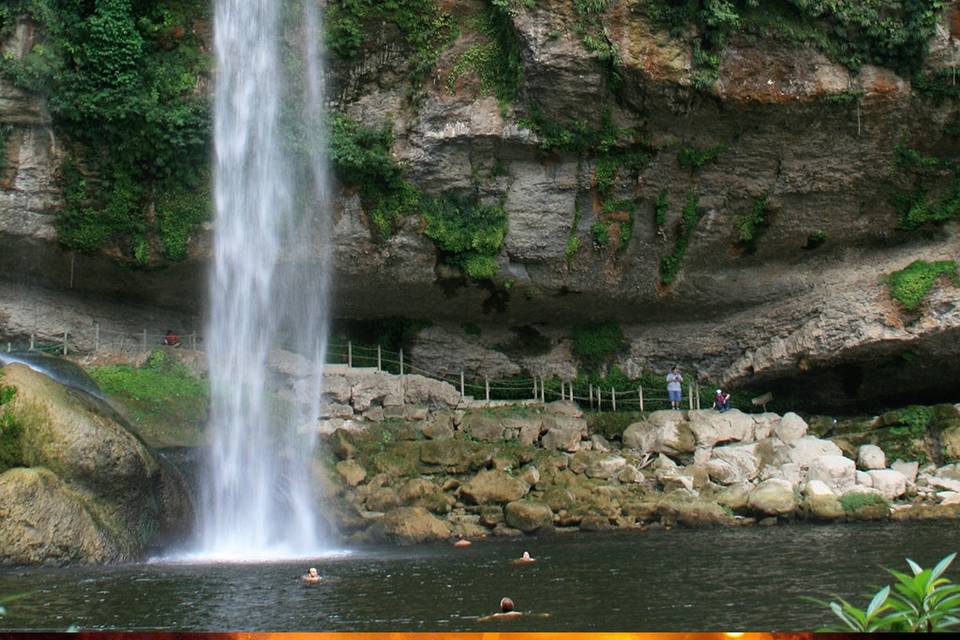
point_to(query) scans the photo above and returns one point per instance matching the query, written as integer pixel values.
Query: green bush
(660, 208)
(852, 502)
(497, 61)
(600, 230)
(670, 265)
(694, 158)
(468, 233)
(596, 343)
(816, 239)
(910, 286)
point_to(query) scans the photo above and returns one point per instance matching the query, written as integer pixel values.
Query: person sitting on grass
(721, 401)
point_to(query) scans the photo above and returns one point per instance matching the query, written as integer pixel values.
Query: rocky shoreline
(445, 467)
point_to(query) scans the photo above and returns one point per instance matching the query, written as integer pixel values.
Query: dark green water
(708, 579)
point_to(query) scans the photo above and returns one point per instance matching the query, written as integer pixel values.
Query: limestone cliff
(774, 165)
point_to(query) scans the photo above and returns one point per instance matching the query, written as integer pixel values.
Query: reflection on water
(744, 578)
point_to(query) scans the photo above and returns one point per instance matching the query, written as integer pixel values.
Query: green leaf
(878, 601)
(942, 566)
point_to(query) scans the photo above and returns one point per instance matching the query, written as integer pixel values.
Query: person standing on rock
(674, 380)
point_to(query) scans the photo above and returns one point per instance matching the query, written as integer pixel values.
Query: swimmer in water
(312, 576)
(506, 612)
(525, 559)
(462, 542)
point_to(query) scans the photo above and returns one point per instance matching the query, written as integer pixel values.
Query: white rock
(790, 428)
(792, 473)
(817, 488)
(909, 469)
(630, 475)
(892, 484)
(724, 472)
(607, 467)
(945, 483)
(742, 457)
(952, 498)
(835, 471)
(711, 427)
(864, 478)
(859, 489)
(870, 456)
(808, 448)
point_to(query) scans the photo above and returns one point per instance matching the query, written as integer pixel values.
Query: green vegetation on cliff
(670, 265)
(424, 29)
(750, 223)
(594, 344)
(162, 399)
(121, 81)
(934, 196)
(496, 61)
(470, 234)
(11, 431)
(910, 285)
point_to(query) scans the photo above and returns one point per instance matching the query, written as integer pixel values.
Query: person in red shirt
(721, 401)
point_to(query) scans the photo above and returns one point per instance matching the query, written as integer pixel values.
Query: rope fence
(471, 385)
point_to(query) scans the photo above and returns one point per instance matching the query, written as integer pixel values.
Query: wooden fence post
(65, 335)
(32, 342)
(690, 395)
(193, 341)
(486, 383)
(543, 391)
(401, 361)
(641, 398)
(378, 358)
(96, 336)
(349, 353)
(591, 395)
(599, 400)
(613, 397)
(462, 394)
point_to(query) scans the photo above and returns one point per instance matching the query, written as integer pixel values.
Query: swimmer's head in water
(526, 555)
(312, 572)
(506, 605)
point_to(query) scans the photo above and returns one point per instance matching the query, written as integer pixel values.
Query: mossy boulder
(773, 497)
(451, 456)
(493, 487)
(101, 494)
(692, 511)
(411, 525)
(528, 516)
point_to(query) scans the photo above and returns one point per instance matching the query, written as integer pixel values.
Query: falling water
(268, 287)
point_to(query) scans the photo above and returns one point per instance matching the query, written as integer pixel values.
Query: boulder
(773, 497)
(526, 429)
(837, 472)
(808, 448)
(482, 426)
(600, 443)
(342, 445)
(864, 503)
(493, 487)
(78, 455)
(790, 428)
(334, 389)
(735, 497)
(563, 408)
(711, 428)
(692, 511)
(528, 516)
(891, 484)
(675, 438)
(382, 499)
(416, 489)
(820, 503)
(562, 438)
(950, 440)
(732, 464)
(376, 389)
(454, 456)
(413, 525)
(429, 392)
(606, 467)
(439, 426)
(43, 521)
(529, 474)
(864, 478)
(908, 469)
(351, 472)
(630, 475)
(640, 436)
(815, 488)
(870, 456)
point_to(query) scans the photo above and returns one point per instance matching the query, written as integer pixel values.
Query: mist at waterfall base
(269, 286)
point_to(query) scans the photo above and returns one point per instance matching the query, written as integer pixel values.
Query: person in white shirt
(674, 380)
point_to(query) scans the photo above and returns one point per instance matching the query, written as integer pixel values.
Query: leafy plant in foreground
(923, 601)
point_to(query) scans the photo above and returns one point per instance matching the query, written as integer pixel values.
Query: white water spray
(268, 288)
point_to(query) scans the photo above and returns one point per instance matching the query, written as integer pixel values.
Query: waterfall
(268, 288)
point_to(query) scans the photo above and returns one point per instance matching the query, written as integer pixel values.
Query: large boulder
(773, 497)
(692, 511)
(379, 389)
(837, 472)
(606, 467)
(908, 469)
(790, 428)
(820, 503)
(412, 525)
(711, 428)
(528, 516)
(808, 448)
(351, 472)
(870, 456)
(482, 426)
(428, 392)
(891, 484)
(99, 492)
(493, 487)
(640, 436)
(733, 464)
(563, 433)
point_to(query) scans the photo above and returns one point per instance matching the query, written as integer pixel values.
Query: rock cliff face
(804, 141)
